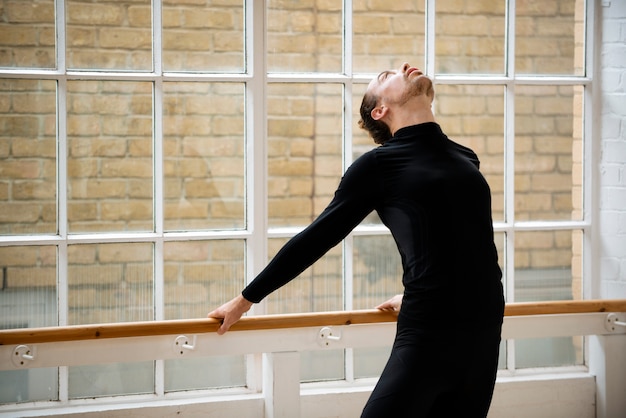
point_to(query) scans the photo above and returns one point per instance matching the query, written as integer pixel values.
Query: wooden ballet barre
(265, 322)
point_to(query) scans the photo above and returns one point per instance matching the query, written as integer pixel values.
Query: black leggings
(443, 374)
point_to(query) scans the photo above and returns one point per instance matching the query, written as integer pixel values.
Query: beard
(418, 86)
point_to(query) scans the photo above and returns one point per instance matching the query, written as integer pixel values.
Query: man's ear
(379, 112)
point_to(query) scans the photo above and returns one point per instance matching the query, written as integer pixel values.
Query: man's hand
(230, 312)
(392, 304)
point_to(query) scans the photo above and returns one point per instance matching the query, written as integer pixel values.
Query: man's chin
(421, 85)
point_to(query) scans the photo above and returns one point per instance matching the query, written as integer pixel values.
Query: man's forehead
(378, 80)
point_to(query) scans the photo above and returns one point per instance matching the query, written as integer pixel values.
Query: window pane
(387, 33)
(548, 266)
(319, 288)
(110, 164)
(201, 275)
(205, 373)
(29, 278)
(29, 385)
(548, 153)
(110, 283)
(470, 36)
(204, 168)
(550, 37)
(304, 36)
(377, 270)
(304, 150)
(28, 150)
(370, 362)
(323, 365)
(203, 36)
(100, 380)
(27, 34)
(473, 115)
(109, 36)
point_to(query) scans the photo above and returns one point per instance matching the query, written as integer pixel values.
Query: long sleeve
(354, 199)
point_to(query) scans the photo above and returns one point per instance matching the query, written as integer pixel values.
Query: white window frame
(256, 233)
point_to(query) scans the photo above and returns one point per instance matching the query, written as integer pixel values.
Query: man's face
(399, 86)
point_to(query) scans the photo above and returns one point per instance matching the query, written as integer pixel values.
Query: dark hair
(378, 130)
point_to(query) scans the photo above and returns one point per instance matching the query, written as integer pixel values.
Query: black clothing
(428, 191)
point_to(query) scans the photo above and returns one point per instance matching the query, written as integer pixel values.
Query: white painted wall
(612, 168)
(607, 354)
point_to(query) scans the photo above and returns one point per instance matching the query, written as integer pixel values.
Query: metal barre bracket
(326, 336)
(613, 322)
(22, 354)
(182, 345)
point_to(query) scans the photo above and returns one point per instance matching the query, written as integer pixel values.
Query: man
(428, 191)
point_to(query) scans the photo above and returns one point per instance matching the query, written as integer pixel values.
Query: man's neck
(404, 119)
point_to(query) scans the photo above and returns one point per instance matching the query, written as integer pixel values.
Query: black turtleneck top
(429, 192)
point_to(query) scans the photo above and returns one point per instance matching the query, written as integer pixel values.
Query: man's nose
(404, 67)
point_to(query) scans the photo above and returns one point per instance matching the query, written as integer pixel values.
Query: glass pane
(550, 37)
(470, 37)
(317, 366)
(30, 385)
(109, 35)
(205, 35)
(377, 270)
(304, 36)
(28, 150)
(27, 34)
(200, 276)
(202, 373)
(319, 288)
(370, 362)
(95, 381)
(304, 150)
(473, 115)
(548, 153)
(548, 266)
(29, 281)
(110, 283)
(388, 33)
(204, 168)
(110, 164)
(548, 352)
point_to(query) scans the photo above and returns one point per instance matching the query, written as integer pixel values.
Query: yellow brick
(20, 169)
(34, 190)
(35, 148)
(79, 275)
(95, 14)
(127, 211)
(119, 253)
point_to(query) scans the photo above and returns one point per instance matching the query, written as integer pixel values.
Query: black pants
(448, 373)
